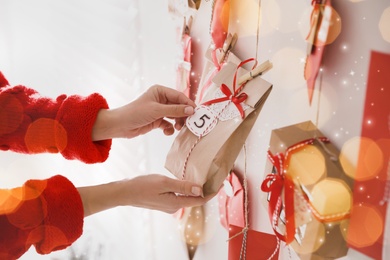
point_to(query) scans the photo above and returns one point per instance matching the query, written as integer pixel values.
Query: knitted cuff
(77, 116)
(64, 219)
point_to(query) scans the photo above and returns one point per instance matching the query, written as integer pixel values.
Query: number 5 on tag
(202, 121)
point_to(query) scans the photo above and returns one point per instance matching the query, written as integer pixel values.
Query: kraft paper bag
(314, 210)
(211, 68)
(207, 159)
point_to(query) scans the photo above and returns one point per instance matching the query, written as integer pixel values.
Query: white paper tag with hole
(202, 121)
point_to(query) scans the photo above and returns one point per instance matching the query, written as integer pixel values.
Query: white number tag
(202, 121)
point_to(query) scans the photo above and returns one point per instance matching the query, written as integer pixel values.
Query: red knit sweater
(45, 213)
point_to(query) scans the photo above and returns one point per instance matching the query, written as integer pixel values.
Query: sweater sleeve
(45, 213)
(30, 123)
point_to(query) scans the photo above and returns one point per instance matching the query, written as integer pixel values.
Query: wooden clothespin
(187, 25)
(229, 43)
(195, 4)
(259, 70)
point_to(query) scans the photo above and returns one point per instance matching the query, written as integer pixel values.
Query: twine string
(200, 137)
(258, 29)
(246, 213)
(246, 210)
(319, 99)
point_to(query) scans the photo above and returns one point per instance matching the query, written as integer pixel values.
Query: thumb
(175, 111)
(185, 188)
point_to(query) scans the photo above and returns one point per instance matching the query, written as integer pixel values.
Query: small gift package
(206, 148)
(252, 244)
(309, 196)
(244, 243)
(231, 202)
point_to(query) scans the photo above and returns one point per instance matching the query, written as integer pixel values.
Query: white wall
(85, 46)
(282, 32)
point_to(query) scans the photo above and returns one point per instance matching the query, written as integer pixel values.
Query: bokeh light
(344, 224)
(297, 104)
(198, 224)
(8, 203)
(331, 197)
(37, 209)
(328, 30)
(332, 22)
(46, 135)
(10, 199)
(243, 17)
(288, 66)
(225, 14)
(276, 14)
(361, 158)
(193, 227)
(304, 22)
(313, 238)
(307, 166)
(270, 16)
(384, 24)
(365, 227)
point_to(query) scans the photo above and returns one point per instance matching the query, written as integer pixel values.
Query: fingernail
(197, 191)
(189, 110)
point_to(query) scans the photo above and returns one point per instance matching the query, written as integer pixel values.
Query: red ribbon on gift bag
(275, 184)
(279, 184)
(232, 206)
(235, 97)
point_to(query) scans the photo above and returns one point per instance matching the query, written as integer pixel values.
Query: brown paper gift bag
(308, 193)
(208, 158)
(211, 68)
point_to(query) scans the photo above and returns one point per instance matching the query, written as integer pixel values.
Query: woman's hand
(147, 112)
(156, 192)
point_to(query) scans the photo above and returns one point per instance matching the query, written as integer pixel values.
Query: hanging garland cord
(245, 181)
(246, 217)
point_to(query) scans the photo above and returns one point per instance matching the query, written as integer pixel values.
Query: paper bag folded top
(207, 159)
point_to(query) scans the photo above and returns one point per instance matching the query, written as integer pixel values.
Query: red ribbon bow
(276, 183)
(235, 97)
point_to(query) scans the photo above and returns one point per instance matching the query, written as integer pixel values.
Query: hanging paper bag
(244, 243)
(206, 148)
(309, 196)
(183, 69)
(231, 202)
(215, 59)
(253, 245)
